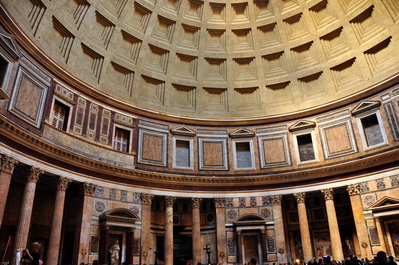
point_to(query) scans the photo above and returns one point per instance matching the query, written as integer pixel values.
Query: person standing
(32, 256)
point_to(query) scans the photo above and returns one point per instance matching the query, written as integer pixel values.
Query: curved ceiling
(221, 60)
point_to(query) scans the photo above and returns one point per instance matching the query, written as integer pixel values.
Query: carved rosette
(63, 183)
(276, 199)
(220, 202)
(196, 202)
(328, 194)
(353, 189)
(146, 198)
(89, 188)
(8, 163)
(169, 201)
(34, 173)
(300, 197)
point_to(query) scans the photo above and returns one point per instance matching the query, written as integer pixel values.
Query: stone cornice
(167, 180)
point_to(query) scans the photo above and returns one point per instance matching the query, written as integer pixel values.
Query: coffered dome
(218, 60)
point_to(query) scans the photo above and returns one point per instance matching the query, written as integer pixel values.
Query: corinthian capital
(169, 201)
(8, 163)
(146, 198)
(300, 197)
(89, 188)
(33, 174)
(328, 194)
(220, 202)
(196, 202)
(63, 182)
(353, 189)
(276, 199)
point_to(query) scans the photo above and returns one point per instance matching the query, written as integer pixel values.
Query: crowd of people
(380, 259)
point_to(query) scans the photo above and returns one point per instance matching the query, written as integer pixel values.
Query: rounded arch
(119, 212)
(249, 218)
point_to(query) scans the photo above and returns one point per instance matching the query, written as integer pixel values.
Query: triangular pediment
(301, 125)
(9, 44)
(242, 132)
(386, 202)
(365, 106)
(183, 130)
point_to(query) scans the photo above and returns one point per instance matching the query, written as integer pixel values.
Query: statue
(114, 251)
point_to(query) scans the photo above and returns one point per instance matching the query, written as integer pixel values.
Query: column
(21, 236)
(360, 223)
(279, 228)
(221, 247)
(335, 237)
(304, 227)
(85, 225)
(196, 235)
(7, 165)
(381, 234)
(56, 223)
(146, 201)
(169, 201)
(129, 246)
(104, 242)
(263, 245)
(239, 247)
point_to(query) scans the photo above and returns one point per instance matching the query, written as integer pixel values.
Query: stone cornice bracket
(328, 194)
(34, 173)
(147, 198)
(63, 183)
(276, 199)
(353, 189)
(8, 163)
(220, 202)
(196, 202)
(169, 201)
(89, 188)
(300, 197)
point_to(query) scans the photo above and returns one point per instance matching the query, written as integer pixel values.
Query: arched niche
(117, 227)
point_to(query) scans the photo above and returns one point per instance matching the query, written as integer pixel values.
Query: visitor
(32, 257)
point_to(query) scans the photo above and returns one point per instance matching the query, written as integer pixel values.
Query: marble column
(56, 223)
(304, 227)
(196, 234)
(21, 236)
(263, 245)
(7, 165)
(335, 237)
(221, 247)
(381, 233)
(239, 247)
(104, 242)
(129, 246)
(85, 225)
(146, 201)
(279, 228)
(169, 201)
(360, 222)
